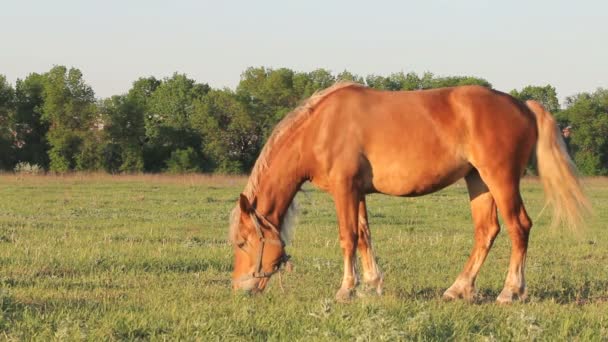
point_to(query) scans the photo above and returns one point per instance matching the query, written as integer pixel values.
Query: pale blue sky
(510, 43)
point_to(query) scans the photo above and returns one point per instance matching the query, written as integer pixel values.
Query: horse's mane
(289, 123)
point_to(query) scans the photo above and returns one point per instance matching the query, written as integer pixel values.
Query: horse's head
(259, 250)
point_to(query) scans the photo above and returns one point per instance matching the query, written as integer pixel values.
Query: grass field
(145, 257)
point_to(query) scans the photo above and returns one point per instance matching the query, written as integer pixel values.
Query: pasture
(145, 257)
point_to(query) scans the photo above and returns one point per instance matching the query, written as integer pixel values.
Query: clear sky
(510, 43)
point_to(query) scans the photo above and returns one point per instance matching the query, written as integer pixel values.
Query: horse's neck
(279, 185)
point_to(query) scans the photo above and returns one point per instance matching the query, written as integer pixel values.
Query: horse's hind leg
(483, 210)
(505, 188)
(372, 277)
(518, 224)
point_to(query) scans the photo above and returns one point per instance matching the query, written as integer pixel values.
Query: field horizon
(124, 257)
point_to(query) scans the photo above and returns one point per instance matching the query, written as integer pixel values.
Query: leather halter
(258, 273)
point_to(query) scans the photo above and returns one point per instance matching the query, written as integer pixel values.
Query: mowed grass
(145, 257)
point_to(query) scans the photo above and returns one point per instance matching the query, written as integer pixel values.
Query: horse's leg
(485, 220)
(518, 223)
(371, 272)
(508, 199)
(347, 207)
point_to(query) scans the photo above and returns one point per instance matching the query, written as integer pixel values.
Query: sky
(113, 42)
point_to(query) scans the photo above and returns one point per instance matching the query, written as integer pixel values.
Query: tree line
(54, 122)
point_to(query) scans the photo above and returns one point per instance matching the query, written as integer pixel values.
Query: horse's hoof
(369, 291)
(345, 295)
(467, 294)
(450, 296)
(373, 287)
(507, 296)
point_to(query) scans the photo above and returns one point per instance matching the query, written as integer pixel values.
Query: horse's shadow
(484, 296)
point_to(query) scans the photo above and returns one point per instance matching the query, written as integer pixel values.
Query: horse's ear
(244, 204)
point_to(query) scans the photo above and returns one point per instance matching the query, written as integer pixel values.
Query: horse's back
(413, 143)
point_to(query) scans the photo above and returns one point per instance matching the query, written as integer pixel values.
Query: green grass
(145, 257)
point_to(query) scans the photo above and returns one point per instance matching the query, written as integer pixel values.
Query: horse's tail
(557, 171)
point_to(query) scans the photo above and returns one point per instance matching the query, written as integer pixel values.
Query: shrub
(183, 161)
(27, 168)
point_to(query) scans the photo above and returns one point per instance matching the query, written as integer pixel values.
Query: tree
(69, 108)
(167, 119)
(30, 128)
(232, 138)
(395, 81)
(124, 126)
(454, 81)
(381, 82)
(546, 95)
(142, 90)
(411, 81)
(7, 140)
(306, 84)
(183, 161)
(588, 115)
(177, 124)
(348, 76)
(270, 94)
(171, 103)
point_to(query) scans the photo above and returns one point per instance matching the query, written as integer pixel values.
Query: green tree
(135, 141)
(69, 108)
(348, 76)
(171, 103)
(30, 128)
(270, 94)
(183, 161)
(380, 82)
(411, 81)
(7, 131)
(91, 152)
(167, 120)
(454, 81)
(546, 95)
(124, 126)
(588, 115)
(395, 81)
(142, 90)
(232, 138)
(124, 118)
(306, 84)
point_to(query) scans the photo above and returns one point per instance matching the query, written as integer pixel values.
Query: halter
(258, 273)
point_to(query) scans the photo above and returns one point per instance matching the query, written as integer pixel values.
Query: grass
(145, 257)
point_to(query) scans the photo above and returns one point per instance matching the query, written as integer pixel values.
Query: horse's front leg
(347, 199)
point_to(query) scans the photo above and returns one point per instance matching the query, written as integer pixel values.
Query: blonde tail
(557, 172)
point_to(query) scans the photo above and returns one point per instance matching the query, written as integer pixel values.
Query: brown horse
(350, 141)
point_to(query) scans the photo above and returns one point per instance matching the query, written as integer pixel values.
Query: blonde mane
(289, 123)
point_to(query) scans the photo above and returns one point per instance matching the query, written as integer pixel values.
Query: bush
(230, 167)
(90, 156)
(183, 161)
(27, 168)
(112, 158)
(132, 160)
(64, 151)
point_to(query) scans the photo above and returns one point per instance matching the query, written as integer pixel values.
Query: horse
(350, 140)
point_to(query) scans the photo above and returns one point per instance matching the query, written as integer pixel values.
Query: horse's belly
(405, 179)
